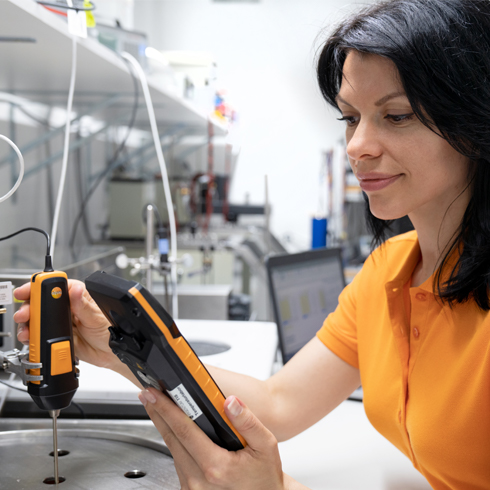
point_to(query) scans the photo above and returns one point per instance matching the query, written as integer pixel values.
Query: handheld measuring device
(51, 342)
(145, 337)
(51, 347)
(48, 369)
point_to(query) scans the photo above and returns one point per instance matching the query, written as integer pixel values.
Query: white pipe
(166, 184)
(66, 148)
(21, 168)
(150, 243)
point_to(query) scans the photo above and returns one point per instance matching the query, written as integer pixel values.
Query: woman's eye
(399, 117)
(350, 120)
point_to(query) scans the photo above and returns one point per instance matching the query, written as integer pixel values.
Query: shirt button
(416, 332)
(421, 296)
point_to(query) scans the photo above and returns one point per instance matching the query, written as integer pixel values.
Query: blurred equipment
(200, 302)
(128, 196)
(122, 40)
(195, 73)
(155, 262)
(239, 307)
(304, 288)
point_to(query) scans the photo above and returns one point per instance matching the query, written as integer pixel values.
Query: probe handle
(51, 342)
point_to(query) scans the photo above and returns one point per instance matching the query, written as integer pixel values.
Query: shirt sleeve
(339, 331)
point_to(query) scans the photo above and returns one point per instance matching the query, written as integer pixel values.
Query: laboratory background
(183, 145)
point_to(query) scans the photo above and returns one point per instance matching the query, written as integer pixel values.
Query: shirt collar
(404, 269)
(405, 263)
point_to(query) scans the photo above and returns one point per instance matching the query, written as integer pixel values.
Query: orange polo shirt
(425, 372)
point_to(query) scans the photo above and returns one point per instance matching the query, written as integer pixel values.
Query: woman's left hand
(202, 464)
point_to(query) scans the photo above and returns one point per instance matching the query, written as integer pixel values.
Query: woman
(411, 81)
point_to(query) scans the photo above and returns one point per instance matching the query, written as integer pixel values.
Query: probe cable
(39, 230)
(48, 266)
(166, 184)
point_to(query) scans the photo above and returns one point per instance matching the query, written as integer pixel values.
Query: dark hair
(441, 50)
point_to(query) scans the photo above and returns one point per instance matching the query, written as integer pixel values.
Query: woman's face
(402, 166)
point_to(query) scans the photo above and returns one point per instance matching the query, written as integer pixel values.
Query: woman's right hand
(90, 326)
(200, 463)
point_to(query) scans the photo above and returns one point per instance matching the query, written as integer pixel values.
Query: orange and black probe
(51, 346)
(51, 342)
(49, 372)
(144, 337)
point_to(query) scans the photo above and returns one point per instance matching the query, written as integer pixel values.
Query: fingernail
(149, 396)
(142, 399)
(20, 329)
(15, 314)
(235, 408)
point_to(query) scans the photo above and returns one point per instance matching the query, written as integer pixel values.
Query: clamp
(17, 362)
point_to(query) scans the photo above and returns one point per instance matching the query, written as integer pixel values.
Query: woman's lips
(376, 182)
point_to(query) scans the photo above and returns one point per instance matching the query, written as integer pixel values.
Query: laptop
(304, 288)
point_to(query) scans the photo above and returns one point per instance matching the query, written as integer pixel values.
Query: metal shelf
(40, 70)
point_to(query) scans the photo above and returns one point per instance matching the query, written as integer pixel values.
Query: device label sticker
(185, 401)
(5, 293)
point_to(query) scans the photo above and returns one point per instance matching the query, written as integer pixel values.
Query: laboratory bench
(341, 452)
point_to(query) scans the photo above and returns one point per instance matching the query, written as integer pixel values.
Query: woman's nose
(364, 142)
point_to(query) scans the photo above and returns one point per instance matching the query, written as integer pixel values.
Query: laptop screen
(304, 289)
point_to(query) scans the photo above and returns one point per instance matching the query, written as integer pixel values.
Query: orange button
(400, 416)
(61, 358)
(416, 332)
(421, 296)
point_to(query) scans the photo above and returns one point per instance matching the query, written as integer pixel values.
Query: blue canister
(319, 233)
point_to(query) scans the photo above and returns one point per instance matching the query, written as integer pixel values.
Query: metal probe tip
(54, 414)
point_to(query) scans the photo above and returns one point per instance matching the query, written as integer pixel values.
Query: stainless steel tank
(94, 455)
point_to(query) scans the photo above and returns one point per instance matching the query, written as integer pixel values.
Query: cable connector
(48, 264)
